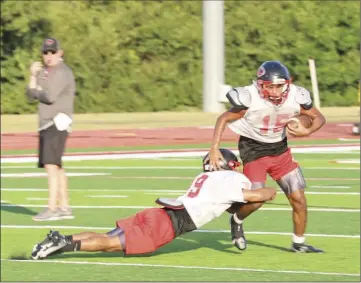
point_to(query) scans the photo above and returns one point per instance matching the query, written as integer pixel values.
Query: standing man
(259, 115)
(52, 83)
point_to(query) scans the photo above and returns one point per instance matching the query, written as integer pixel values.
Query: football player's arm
(303, 97)
(318, 120)
(237, 111)
(259, 195)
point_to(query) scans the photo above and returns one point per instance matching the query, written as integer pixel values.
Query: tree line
(132, 56)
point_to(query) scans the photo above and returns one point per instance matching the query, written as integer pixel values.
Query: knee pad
(293, 181)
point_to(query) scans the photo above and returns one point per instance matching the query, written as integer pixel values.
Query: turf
(207, 255)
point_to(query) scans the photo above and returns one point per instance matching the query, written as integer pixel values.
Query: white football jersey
(212, 193)
(264, 121)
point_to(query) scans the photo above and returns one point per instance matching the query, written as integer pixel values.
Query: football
(303, 119)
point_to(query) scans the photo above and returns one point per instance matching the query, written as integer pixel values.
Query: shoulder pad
(239, 97)
(303, 97)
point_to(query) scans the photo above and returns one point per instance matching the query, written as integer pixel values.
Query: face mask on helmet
(273, 82)
(230, 164)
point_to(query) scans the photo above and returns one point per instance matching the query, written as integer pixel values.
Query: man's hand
(298, 131)
(35, 68)
(214, 157)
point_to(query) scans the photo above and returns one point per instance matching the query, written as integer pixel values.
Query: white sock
(236, 219)
(298, 240)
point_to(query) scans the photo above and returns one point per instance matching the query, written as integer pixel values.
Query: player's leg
(55, 243)
(257, 174)
(289, 177)
(144, 232)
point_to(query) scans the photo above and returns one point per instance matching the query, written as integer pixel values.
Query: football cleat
(53, 242)
(237, 233)
(303, 248)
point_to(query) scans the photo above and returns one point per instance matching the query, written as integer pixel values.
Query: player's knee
(298, 200)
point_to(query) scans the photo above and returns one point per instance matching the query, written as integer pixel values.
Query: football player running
(259, 115)
(210, 194)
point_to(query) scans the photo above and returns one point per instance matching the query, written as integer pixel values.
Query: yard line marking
(36, 198)
(309, 193)
(331, 187)
(160, 191)
(106, 196)
(331, 168)
(185, 267)
(163, 193)
(333, 179)
(92, 190)
(153, 177)
(348, 161)
(197, 231)
(199, 153)
(331, 193)
(171, 167)
(144, 207)
(4, 201)
(191, 178)
(36, 174)
(346, 139)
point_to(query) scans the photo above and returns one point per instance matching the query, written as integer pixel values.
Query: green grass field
(207, 255)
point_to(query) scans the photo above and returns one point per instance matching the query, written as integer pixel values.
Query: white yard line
(331, 168)
(36, 174)
(348, 161)
(331, 187)
(332, 193)
(185, 267)
(160, 191)
(195, 231)
(144, 207)
(347, 140)
(150, 167)
(195, 153)
(106, 196)
(91, 190)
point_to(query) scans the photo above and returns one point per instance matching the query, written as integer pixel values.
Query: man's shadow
(189, 242)
(16, 209)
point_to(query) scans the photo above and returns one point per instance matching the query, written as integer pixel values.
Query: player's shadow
(17, 209)
(189, 242)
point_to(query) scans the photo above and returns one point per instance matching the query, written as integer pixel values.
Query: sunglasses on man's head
(49, 51)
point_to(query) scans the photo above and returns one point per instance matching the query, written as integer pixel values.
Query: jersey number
(194, 190)
(281, 120)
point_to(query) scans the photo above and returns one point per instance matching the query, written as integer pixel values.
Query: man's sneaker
(65, 214)
(53, 242)
(237, 233)
(303, 248)
(47, 215)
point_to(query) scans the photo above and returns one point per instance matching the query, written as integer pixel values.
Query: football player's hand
(214, 157)
(299, 131)
(35, 68)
